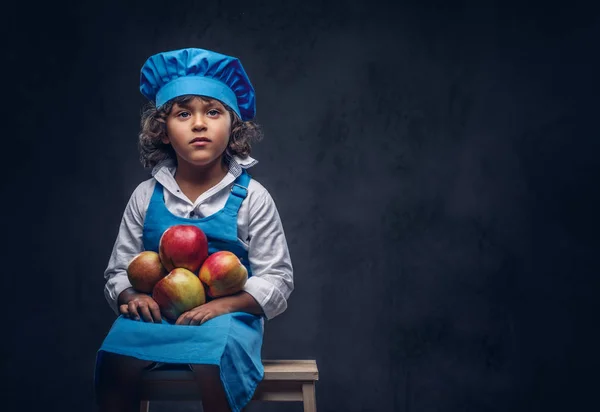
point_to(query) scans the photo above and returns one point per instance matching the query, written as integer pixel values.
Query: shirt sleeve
(272, 281)
(128, 244)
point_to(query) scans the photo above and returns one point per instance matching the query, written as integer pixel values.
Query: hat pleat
(167, 75)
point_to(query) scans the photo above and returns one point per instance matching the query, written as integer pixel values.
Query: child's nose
(199, 122)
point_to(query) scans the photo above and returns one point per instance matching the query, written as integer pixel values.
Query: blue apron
(232, 341)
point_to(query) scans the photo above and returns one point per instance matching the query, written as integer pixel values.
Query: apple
(223, 274)
(145, 270)
(178, 292)
(183, 246)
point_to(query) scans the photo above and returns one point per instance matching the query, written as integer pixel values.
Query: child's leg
(211, 388)
(118, 384)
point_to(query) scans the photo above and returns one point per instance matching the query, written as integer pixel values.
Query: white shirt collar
(164, 173)
(235, 166)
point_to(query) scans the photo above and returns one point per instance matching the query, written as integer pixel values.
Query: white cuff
(270, 299)
(113, 289)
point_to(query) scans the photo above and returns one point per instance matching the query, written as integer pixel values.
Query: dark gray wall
(435, 167)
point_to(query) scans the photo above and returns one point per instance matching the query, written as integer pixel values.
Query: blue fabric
(232, 341)
(167, 75)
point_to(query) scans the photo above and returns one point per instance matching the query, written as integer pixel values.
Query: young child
(196, 135)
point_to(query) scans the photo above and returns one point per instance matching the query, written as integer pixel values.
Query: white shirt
(260, 231)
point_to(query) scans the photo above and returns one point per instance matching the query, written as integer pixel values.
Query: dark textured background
(434, 164)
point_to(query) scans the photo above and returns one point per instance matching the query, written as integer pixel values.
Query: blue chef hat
(167, 75)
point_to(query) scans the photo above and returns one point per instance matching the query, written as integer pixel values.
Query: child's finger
(133, 312)
(197, 319)
(124, 311)
(155, 311)
(182, 319)
(145, 313)
(207, 316)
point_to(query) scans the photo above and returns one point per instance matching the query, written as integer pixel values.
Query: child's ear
(165, 139)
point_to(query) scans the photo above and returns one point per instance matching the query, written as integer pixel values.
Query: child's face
(198, 131)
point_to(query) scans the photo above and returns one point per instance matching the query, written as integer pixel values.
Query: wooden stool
(284, 381)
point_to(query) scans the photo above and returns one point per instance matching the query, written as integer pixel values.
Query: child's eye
(183, 114)
(213, 112)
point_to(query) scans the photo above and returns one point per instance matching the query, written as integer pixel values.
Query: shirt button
(192, 213)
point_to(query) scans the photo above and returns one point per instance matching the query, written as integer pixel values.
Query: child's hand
(137, 304)
(202, 313)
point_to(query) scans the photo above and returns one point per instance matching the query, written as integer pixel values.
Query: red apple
(223, 274)
(178, 292)
(145, 270)
(183, 246)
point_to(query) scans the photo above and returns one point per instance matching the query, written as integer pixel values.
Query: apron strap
(239, 191)
(157, 194)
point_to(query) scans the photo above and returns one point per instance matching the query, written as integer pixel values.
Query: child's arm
(117, 290)
(240, 302)
(272, 281)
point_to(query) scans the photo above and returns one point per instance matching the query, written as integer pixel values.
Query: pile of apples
(182, 273)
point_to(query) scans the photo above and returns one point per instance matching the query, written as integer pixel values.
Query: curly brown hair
(153, 129)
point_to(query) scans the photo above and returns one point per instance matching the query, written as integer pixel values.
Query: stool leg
(308, 397)
(144, 406)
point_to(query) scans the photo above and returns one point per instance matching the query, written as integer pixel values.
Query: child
(196, 136)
